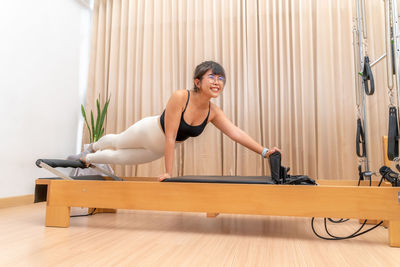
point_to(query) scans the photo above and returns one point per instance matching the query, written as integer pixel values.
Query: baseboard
(15, 201)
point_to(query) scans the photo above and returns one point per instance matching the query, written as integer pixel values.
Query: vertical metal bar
(364, 19)
(360, 44)
(395, 18)
(356, 65)
(389, 63)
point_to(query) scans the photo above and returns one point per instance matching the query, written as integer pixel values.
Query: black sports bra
(185, 130)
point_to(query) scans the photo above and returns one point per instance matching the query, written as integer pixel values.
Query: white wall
(43, 73)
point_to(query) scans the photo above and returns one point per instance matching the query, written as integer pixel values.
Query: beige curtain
(290, 78)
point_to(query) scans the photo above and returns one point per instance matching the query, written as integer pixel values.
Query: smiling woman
(186, 115)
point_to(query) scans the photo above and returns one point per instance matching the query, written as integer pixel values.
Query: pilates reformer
(279, 195)
(213, 195)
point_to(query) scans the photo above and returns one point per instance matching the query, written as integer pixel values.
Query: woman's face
(211, 84)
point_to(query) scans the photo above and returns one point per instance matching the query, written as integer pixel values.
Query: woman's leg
(143, 134)
(130, 156)
(141, 143)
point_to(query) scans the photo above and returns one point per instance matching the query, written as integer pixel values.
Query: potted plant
(96, 131)
(96, 127)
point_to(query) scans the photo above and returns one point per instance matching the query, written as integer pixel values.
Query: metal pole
(356, 65)
(389, 63)
(360, 44)
(377, 61)
(396, 37)
(363, 19)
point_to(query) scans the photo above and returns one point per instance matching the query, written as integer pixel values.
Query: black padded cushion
(222, 179)
(61, 163)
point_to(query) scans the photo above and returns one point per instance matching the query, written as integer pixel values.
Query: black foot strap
(360, 140)
(368, 76)
(393, 133)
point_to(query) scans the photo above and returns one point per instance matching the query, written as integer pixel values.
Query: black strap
(389, 175)
(187, 101)
(393, 133)
(367, 76)
(360, 141)
(300, 180)
(393, 58)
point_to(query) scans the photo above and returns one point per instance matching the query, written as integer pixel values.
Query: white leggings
(143, 142)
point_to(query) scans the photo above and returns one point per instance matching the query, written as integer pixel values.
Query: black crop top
(185, 130)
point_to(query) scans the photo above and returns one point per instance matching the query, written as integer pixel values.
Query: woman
(186, 115)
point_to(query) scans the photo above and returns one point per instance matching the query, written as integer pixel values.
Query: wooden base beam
(374, 222)
(101, 210)
(394, 233)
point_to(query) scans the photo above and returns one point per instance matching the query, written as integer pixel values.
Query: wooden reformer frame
(331, 198)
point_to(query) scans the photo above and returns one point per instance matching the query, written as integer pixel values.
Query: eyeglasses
(212, 78)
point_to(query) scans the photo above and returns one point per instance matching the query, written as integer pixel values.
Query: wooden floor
(149, 238)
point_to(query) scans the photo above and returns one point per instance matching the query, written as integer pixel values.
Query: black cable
(355, 234)
(343, 237)
(338, 221)
(380, 182)
(332, 236)
(83, 215)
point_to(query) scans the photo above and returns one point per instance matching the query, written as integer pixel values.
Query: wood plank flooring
(150, 238)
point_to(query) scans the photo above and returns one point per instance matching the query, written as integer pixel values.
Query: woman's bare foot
(82, 155)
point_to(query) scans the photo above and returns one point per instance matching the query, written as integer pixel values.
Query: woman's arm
(173, 112)
(235, 133)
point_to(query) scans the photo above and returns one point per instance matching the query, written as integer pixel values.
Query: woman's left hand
(163, 177)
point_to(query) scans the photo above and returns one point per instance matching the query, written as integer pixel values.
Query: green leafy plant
(96, 128)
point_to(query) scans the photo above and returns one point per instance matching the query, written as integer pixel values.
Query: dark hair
(202, 68)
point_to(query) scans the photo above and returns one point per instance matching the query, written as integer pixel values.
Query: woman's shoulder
(180, 95)
(215, 111)
(178, 98)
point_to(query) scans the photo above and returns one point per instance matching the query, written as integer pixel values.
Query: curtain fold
(290, 79)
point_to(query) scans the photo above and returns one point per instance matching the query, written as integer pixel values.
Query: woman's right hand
(272, 151)
(163, 176)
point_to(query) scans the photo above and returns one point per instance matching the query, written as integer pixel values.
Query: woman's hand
(163, 177)
(272, 151)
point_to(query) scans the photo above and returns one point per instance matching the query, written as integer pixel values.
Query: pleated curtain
(290, 79)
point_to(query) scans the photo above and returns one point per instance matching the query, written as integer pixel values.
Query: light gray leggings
(143, 142)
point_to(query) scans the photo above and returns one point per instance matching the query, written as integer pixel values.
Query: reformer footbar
(51, 164)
